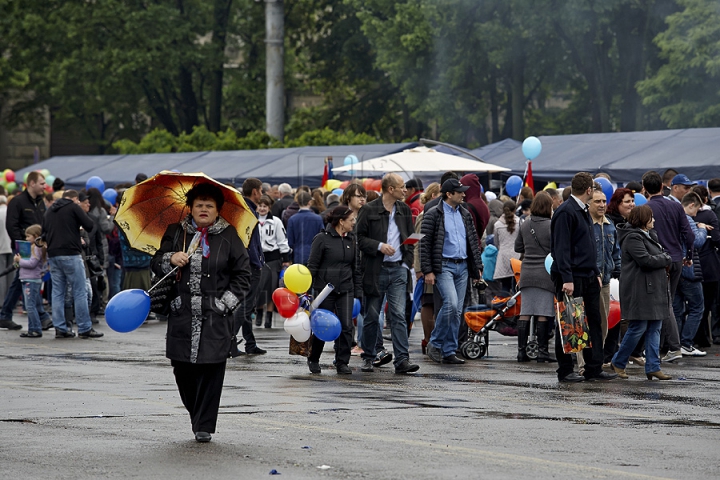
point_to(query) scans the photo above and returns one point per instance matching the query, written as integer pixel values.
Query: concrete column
(274, 69)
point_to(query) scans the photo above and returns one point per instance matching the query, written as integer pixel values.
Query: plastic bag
(570, 315)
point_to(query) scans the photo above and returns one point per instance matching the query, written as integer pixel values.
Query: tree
(686, 89)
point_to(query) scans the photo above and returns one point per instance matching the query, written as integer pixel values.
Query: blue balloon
(513, 185)
(110, 195)
(531, 148)
(325, 325)
(548, 262)
(356, 308)
(640, 199)
(607, 187)
(95, 182)
(351, 160)
(338, 192)
(127, 310)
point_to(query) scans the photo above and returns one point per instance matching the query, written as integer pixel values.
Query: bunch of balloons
(302, 319)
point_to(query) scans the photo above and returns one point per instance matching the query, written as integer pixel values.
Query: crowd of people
(664, 254)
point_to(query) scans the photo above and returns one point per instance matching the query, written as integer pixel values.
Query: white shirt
(393, 239)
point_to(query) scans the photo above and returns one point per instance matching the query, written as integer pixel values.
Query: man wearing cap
(679, 187)
(673, 231)
(449, 254)
(414, 188)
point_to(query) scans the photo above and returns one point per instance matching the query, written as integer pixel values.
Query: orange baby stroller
(500, 316)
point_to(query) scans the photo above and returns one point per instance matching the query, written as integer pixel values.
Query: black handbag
(162, 289)
(95, 268)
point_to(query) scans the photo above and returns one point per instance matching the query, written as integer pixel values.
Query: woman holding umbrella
(213, 279)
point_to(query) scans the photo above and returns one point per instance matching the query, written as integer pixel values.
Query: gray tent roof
(625, 156)
(296, 166)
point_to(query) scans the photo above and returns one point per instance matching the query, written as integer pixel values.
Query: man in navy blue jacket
(575, 273)
(302, 228)
(252, 191)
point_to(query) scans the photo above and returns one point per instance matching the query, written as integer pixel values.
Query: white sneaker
(672, 355)
(692, 352)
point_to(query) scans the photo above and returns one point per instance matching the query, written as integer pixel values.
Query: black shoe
(572, 378)
(433, 353)
(343, 369)
(383, 357)
(268, 319)
(10, 325)
(367, 366)
(64, 334)
(255, 351)
(258, 320)
(313, 366)
(90, 334)
(47, 324)
(602, 376)
(453, 360)
(31, 335)
(406, 367)
(203, 437)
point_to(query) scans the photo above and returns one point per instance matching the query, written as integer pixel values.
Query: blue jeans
(636, 328)
(393, 283)
(114, 278)
(451, 284)
(34, 305)
(69, 270)
(690, 294)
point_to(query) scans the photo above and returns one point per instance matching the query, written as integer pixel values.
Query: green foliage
(201, 139)
(685, 89)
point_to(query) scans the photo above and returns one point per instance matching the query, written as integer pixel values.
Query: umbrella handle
(163, 278)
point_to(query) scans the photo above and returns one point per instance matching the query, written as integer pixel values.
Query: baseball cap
(82, 196)
(453, 185)
(415, 183)
(681, 179)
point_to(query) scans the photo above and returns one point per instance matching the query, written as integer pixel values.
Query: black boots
(268, 319)
(523, 327)
(543, 336)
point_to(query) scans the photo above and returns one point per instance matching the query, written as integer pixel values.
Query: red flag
(529, 178)
(325, 175)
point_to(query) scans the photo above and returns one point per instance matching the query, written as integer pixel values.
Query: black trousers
(243, 314)
(589, 289)
(200, 386)
(703, 337)
(341, 305)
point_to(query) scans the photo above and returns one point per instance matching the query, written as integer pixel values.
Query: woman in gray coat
(644, 295)
(538, 290)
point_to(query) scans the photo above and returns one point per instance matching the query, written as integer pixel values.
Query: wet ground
(109, 408)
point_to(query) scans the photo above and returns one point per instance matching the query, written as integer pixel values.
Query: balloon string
(191, 250)
(163, 278)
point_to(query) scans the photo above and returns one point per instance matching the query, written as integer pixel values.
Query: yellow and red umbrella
(148, 208)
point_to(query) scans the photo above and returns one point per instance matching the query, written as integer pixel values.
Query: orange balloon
(376, 185)
(344, 184)
(366, 182)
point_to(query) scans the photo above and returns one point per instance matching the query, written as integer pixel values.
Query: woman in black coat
(644, 294)
(213, 281)
(334, 259)
(710, 262)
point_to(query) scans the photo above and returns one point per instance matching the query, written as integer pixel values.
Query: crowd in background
(458, 221)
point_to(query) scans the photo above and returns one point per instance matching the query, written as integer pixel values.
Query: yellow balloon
(297, 278)
(332, 184)
(550, 185)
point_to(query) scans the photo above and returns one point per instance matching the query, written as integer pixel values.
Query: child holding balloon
(31, 272)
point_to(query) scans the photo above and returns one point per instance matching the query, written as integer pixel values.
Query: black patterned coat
(200, 322)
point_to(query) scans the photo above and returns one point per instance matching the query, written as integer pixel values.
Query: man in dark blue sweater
(302, 228)
(252, 191)
(575, 273)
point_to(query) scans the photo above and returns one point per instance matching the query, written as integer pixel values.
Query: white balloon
(298, 326)
(615, 289)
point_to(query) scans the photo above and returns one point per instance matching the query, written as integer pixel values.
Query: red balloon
(10, 176)
(614, 314)
(367, 182)
(376, 185)
(344, 184)
(286, 302)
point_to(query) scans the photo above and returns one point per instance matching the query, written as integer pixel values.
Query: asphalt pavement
(109, 408)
